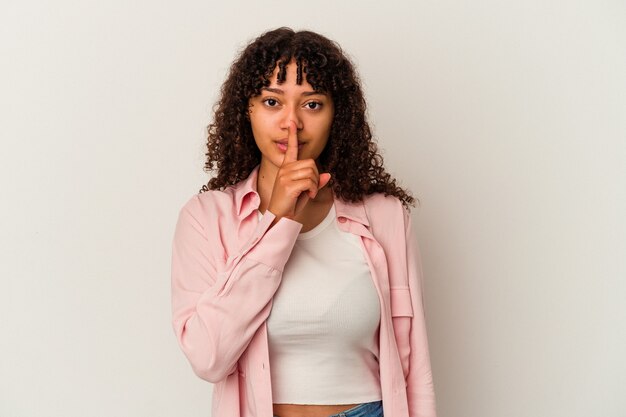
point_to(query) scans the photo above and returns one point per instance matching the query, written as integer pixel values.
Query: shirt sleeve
(420, 390)
(216, 312)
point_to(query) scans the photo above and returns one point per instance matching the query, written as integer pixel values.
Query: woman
(296, 283)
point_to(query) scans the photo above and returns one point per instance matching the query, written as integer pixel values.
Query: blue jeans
(373, 409)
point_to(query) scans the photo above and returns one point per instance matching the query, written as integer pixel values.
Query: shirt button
(342, 220)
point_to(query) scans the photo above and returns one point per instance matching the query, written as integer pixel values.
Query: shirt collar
(245, 204)
(247, 199)
(353, 211)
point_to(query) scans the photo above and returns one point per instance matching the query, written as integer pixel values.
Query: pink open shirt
(227, 265)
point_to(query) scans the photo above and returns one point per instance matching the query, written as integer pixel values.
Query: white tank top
(323, 327)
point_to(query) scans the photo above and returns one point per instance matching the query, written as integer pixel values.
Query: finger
(291, 154)
(324, 179)
(302, 172)
(303, 186)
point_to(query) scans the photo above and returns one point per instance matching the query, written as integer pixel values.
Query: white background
(506, 118)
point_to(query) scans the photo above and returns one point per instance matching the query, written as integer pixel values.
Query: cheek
(322, 123)
(259, 126)
(329, 119)
(327, 127)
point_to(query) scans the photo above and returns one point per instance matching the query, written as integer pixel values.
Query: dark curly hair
(350, 155)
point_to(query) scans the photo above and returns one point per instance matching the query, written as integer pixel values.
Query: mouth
(282, 145)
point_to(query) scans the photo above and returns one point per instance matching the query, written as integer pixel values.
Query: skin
(289, 182)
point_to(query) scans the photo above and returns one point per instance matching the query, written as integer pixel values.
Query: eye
(270, 102)
(313, 105)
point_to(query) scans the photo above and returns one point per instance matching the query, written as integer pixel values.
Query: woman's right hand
(296, 181)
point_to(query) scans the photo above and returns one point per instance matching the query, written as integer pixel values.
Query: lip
(282, 145)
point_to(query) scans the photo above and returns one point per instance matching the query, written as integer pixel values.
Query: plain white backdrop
(505, 118)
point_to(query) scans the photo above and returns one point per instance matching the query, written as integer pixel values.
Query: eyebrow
(279, 91)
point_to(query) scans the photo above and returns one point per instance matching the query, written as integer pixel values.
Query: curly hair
(350, 155)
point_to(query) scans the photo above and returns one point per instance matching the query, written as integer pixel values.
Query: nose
(291, 114)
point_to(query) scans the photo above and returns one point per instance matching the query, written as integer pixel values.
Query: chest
(327, 290)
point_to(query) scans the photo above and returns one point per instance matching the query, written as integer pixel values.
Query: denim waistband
(373, 409)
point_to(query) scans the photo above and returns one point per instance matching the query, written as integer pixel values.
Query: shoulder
(229, 200)
(211, 204)
(380, 207)
(388, 218)
(208, 199)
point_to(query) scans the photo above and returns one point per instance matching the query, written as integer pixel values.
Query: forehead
(289, 76)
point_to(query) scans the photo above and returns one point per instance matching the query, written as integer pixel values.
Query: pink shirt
(226, 266)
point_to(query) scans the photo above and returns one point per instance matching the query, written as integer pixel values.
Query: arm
(420, 390)
(217, 312)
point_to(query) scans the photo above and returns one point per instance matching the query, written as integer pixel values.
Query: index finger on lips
(292, 143)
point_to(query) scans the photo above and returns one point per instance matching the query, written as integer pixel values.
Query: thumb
(324, 179)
